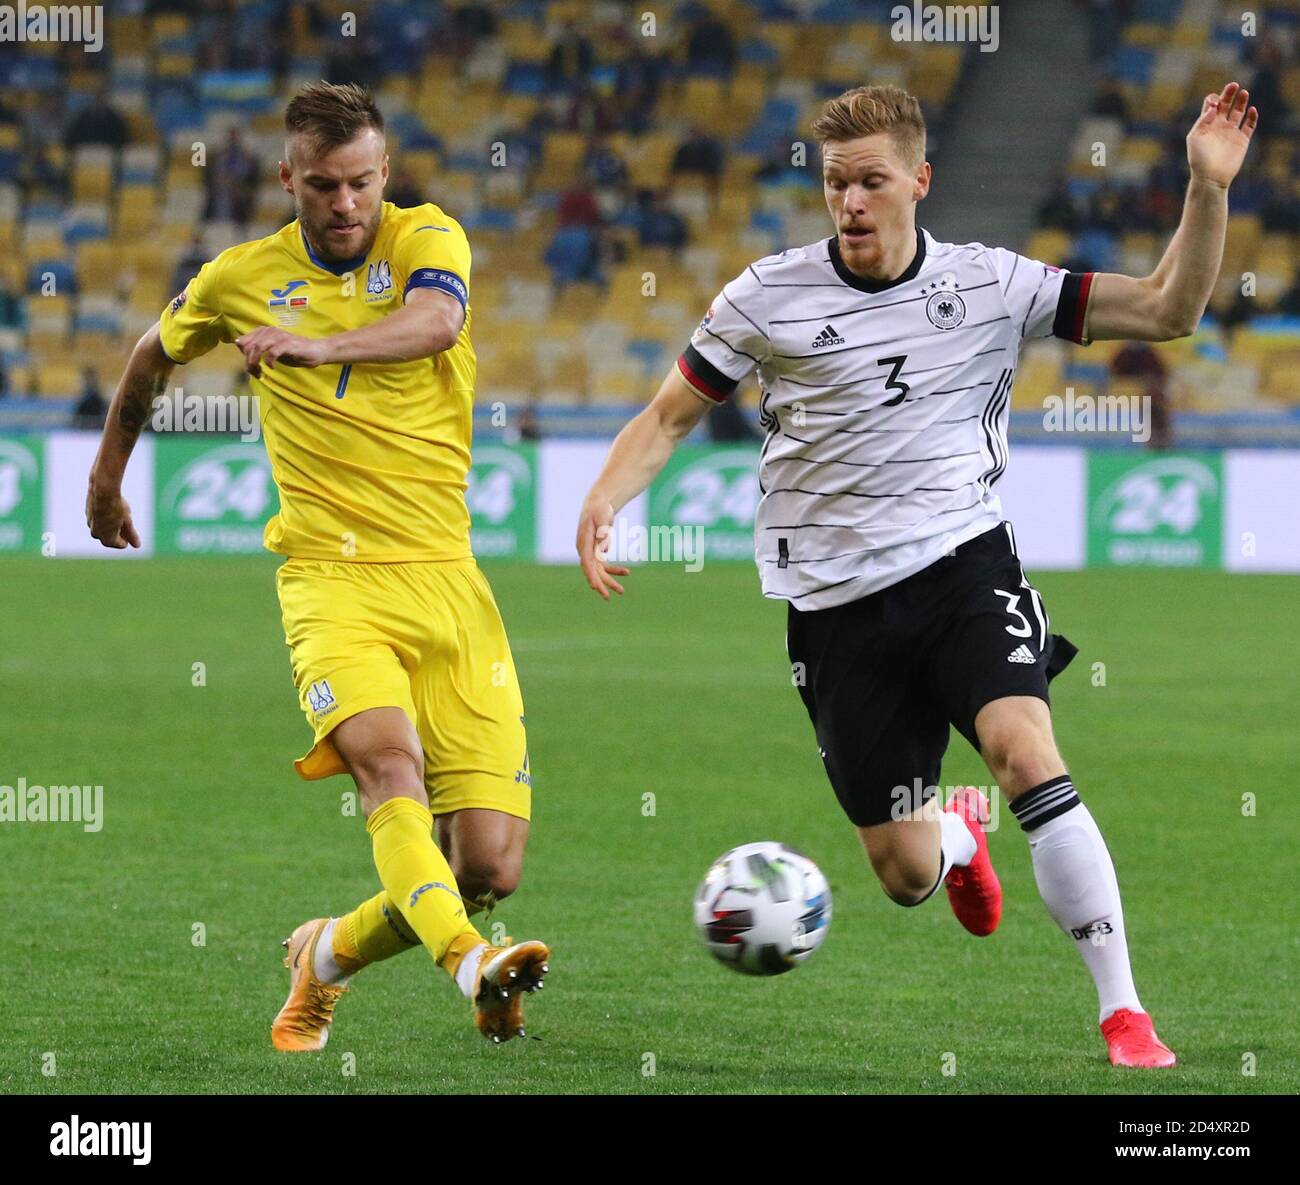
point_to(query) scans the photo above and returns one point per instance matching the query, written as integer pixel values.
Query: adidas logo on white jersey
(1022, 653)
(827, 337)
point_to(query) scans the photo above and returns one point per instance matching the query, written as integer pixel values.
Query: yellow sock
(418, 877)
(372, 932)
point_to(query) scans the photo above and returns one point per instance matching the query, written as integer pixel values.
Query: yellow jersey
(371, 460)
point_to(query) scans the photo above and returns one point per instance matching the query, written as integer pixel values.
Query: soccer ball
(763, 908)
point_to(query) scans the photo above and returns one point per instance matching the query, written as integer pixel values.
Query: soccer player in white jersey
(885, 361)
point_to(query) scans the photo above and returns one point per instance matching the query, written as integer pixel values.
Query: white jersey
(885, 402)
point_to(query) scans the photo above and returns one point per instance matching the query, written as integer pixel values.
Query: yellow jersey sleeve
(434, 253)
(192, 324)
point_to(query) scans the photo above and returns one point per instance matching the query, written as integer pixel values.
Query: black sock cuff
(1043, 803)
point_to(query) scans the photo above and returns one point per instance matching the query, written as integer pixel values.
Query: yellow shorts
(423, 637)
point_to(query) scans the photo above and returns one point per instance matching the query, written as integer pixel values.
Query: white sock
(327, 970)
(468, 969)
(956, 846)
(1076, 879)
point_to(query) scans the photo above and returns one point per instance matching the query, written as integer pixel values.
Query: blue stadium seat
(248, 91)
(65, 277)
(573, 255)
(648, 353)
(1157, 12)
(1097, 247)
(488, 218)
(1131, 63)
(525, 78)
(762, 52)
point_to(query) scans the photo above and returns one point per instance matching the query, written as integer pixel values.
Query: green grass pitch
(682, 691)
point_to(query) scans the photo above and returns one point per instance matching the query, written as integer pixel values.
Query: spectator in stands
(571, 58)
(1266, 90)
(187, 267)
(11, 306)
(1138, 360)
(574, 257)
(1289, 302)
(98, 122)
(711, 49)
(640, 76)
(1105, 24)
(592, 111)
(231, 180)
(1239, 311)
(1105, 212)
(578, 207)
(657, 225)
(701, 154)
(1281, 210)
(403, 192)
(1058, 211)
(530, 427)
(357, 59)
(602, 166)
(470, 24)
(92, 407)
(1111, 102)
(4, 377)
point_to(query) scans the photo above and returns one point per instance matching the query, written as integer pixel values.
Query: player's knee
(904, 881)
(1018, 767)
(385, 771)
(487, 879)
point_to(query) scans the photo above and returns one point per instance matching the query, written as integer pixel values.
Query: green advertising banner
(712, 488)
(1159, 510)
(22, 510)
(502, 500)
(212, 498)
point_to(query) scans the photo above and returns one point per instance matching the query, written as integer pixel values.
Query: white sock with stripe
(1076, 879)
(323, 964)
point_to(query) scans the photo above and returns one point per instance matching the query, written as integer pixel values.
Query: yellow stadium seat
(1291, 86)
(1141, 150)
(1146, 34)
(1164, 99)
(620, 384)
(1190, 36)
(91, 183)
(137, 211)
(1050, 246)
(170, 26)
(561, 160)
(98, 266)
(174, 65)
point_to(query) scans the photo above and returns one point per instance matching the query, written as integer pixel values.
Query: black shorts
(884, 676)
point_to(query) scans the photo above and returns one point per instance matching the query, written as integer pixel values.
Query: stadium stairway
(1011, 127)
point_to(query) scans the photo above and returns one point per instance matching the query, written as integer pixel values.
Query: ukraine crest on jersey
(371, 460)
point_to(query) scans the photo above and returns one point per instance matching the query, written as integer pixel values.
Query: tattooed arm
(107, 514)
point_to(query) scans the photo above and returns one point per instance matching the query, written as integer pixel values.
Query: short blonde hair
(330, 114)
(867, 110)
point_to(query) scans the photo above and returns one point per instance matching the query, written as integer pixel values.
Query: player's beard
(315, 232)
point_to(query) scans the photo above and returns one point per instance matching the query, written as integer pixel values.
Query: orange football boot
(304, 1021)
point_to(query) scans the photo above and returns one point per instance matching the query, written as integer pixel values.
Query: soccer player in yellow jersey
(354, 323)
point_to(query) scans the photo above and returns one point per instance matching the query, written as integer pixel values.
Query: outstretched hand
(594, 525)
(1217, 143)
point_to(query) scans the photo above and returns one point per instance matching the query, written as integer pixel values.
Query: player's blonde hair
(866, 110)
(330, 114)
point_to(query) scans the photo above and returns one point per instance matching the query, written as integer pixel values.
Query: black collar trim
(863, 284)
